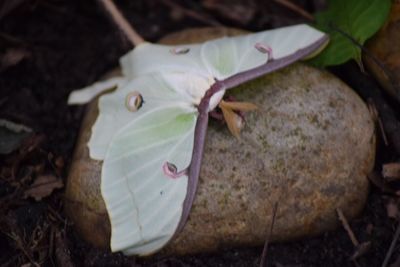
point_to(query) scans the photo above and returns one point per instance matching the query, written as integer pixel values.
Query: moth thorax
(133, 101)
(215, 99)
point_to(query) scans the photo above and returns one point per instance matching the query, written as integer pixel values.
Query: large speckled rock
(308, 148)
(386, 49)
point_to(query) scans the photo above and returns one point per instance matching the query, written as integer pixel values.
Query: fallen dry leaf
(391, 209)
(7, 7)
(59, 162)
(43, 186)
(383, 49)
(369, 228)
(12, 135)
(12, 57)
(377, 179)
(391, 171)
(59, 165)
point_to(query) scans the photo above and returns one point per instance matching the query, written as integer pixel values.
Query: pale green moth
(150, 131)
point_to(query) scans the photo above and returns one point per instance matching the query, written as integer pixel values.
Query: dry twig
(347, 227)
(192, 14)
(392, 245)
(360, 248)
(263, 262)
(123, 24)
(375, 114)
(295, 8)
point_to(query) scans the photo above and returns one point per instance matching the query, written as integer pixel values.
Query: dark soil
(65, 45)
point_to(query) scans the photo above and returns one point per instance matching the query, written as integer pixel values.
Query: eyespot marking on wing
(265, 49)
(171, 170)
(179, 50)
(134, 101)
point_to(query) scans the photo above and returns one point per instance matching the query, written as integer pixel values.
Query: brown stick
(197, 16)
(392, 246)
(122, 23)
(263, 261)
(375, 115)
(347, 227)
(295, 8)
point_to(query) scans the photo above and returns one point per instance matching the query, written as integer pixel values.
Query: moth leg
(238, 107)
(233, 114)
(171, 170)
(216, 115)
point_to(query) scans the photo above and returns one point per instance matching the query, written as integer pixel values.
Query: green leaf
(359, 19)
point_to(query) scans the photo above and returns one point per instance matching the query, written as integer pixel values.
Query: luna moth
(150, 132)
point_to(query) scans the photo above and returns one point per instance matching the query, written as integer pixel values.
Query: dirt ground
(57, 46)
